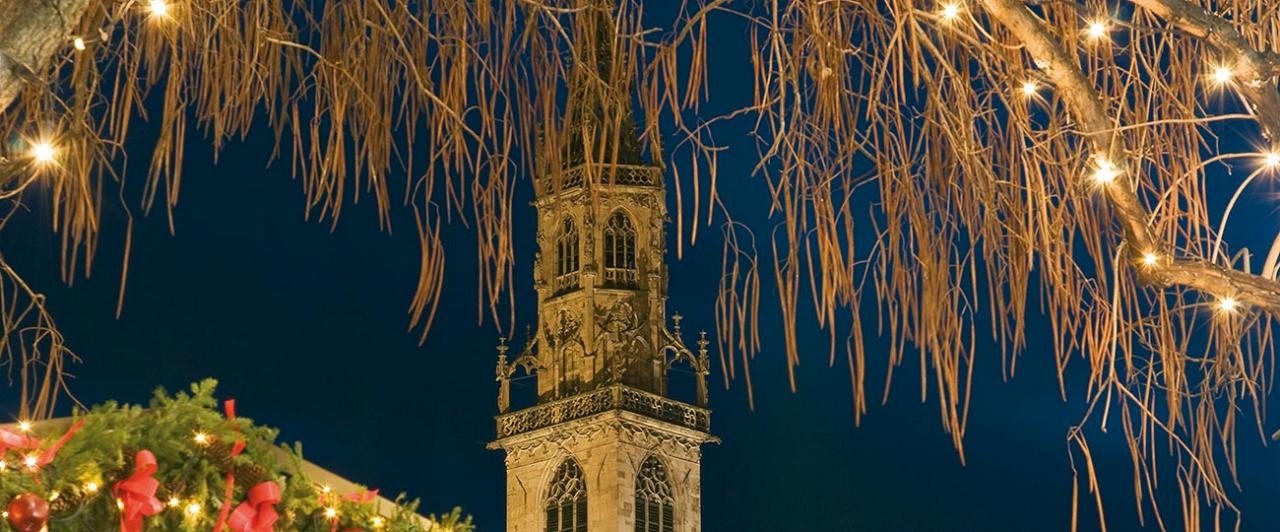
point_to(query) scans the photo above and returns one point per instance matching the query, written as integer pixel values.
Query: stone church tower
(605, 448)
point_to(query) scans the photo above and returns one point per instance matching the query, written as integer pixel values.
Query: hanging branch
(31, 32)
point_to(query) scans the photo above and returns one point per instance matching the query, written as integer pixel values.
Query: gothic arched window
(655, 506)
(567, 499)
(620, 251)
(567, 255)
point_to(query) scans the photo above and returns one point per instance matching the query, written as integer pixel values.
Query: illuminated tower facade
(604, 447)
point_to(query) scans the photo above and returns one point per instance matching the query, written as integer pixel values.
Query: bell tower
(604, 447)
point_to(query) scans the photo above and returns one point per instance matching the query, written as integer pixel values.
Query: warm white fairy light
(158, 8)
(376, 522)
(325, 489)
(201, 438)
(1097, 29)
(1029, 88)
(1223, 75)
(3, 465)
(331, 512)
(193, 508)
(24, 426)
(174, 502)
(91, 486)
(1228, 304)
(44, 153)
(78, 43)
(1106, 172)
(950, 11)
(1150, 259)
(1271, 160)
(120, 503)
(31, 461)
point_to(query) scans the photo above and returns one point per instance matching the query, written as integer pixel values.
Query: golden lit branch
(1251, 68)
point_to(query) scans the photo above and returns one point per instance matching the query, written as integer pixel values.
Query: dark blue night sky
(307, 329)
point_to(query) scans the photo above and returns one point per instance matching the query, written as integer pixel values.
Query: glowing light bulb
(174, 502)
(1106, 172)
(1222, 75)
(159, 8)
(1228, 304)
(1029, 88)
(120, 503)
(43, 153)
(950, 11)
(1097, 30)
(325, 489)
(1272, 160)
(24, 426)
(193, 508)
(331, 512)
(3, 465)
(1150, 259)
(201, 438)
(91, 487)
(31, 461)
(377, 522)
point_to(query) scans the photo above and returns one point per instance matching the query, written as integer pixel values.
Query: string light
(377, 521)
(1029, 89)
(1272, 160)
(193, 508)
(43, 152)
(174, 502)
(201, 438)
(325, 489)
(78, 43)
(91, 487)
(331, 512)
(3, 465)
(1097, 29)
(120, 503)
(1222, 75)
(950, 11)
(1150, 259)
(1106, 172)
(1228, 304)
(31, 461)
(159, 8)
(24, 426)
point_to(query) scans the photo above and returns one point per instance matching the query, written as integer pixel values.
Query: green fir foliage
(102, 453)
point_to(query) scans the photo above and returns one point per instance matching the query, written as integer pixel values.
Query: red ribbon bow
(230, 407)
(362, 497)
(137, 494)
(48, 455)
(258, 514)
(9, 440)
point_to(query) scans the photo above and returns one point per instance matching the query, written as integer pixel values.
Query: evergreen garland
(193, 445)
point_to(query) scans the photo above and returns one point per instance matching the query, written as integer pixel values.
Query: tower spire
(605, 448)
(599, 114)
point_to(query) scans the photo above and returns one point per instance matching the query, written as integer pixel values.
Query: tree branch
(1084, 104)
(31, 31)
(1253, 69)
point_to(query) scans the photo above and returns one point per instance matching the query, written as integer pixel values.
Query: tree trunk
(31, 32)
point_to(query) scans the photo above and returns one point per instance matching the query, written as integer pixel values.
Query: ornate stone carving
(621, 337)
(613, 397)
(574, 435)
(616, 174)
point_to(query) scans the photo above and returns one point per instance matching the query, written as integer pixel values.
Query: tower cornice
(614, 397)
